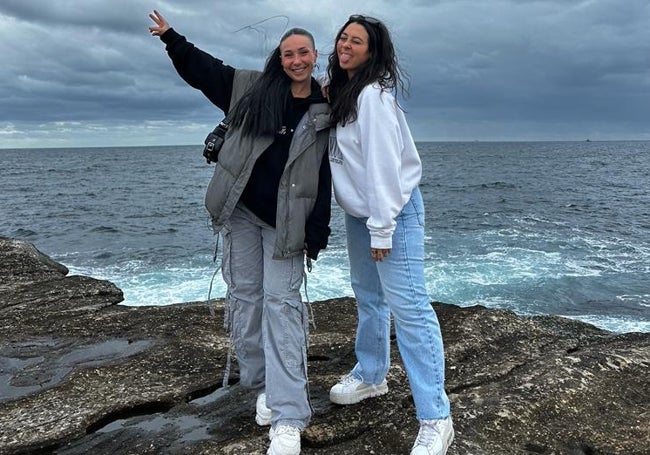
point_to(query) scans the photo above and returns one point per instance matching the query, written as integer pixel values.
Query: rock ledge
(80, 373)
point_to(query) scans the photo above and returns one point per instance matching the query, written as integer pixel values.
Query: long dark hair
(260, 110)
(382, 67)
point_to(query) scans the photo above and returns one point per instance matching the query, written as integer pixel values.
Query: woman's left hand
(378, 254)
(161, 24)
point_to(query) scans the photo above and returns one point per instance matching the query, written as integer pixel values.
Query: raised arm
(198, 68)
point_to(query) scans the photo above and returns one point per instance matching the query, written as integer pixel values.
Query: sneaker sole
(450, 439)
(354, 398)
(270, 451)
(262, 420)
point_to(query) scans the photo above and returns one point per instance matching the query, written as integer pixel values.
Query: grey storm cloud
(79, 72)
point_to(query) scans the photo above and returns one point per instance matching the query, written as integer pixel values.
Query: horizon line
(466, 141)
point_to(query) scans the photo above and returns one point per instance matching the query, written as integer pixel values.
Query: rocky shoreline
(80, 374)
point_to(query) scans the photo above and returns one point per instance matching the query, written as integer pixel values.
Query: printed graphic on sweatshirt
(335, 154)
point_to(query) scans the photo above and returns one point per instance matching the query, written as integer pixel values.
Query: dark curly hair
(382, 67)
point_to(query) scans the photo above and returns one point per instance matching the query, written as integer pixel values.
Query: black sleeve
(200, 70)
(317, 228)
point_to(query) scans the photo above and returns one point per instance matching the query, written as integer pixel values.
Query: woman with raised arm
(269, 198)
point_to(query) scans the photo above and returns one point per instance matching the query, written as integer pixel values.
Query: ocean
(560, 228)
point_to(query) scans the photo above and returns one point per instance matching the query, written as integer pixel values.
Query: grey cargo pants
(268, 321)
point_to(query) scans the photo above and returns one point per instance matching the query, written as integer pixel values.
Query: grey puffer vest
(298, 186)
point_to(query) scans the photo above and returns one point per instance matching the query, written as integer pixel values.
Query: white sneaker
(285, 440)
(434, 437)
(350, 390)
(262, 413)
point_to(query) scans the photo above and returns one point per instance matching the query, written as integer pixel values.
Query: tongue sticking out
(344, 58)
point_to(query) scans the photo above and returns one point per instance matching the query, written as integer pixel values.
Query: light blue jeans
(397, 285)
(267, 319)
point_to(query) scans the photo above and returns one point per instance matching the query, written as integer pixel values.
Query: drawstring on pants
(226, 319)
(214, 259)
(312, 319)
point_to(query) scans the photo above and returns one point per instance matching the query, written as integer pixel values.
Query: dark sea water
(536, 227)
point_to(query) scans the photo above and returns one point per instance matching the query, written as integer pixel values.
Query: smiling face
(352, 48)
(298, 57)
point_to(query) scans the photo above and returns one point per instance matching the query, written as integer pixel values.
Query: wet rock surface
(81, 374)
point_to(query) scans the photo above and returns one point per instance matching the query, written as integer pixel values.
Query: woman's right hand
(161, 24)
(379, 254)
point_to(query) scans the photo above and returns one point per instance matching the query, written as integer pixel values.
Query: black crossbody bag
(214, 141)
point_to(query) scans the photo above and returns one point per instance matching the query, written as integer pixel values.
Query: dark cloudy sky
(87, 72)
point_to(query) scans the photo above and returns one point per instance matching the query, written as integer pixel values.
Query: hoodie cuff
(170, 36)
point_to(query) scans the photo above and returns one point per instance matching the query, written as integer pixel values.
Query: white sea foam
(614, 323)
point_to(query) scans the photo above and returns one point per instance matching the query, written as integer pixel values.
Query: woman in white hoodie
(376, 170)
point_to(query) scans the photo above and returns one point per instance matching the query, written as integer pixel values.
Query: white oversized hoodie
(375, 165)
